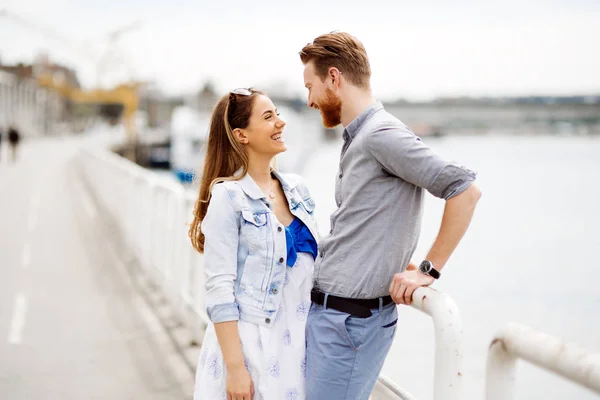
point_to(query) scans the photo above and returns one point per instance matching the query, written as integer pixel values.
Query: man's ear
(333, 76)
(240, 135)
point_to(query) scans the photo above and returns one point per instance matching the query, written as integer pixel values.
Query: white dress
(275, 356)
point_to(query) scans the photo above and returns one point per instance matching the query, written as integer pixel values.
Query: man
(364, 264)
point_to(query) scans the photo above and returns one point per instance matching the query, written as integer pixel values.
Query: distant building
(205, 99)
(157, 106)
(34, 109)
(30, 71)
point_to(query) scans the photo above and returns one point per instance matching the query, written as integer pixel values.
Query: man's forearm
(455, 221)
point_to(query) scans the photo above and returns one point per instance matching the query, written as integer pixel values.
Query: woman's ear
(240, 135)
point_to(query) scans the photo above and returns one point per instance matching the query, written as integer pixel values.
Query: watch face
(425, 267)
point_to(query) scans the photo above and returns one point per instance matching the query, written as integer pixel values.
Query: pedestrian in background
(13, 139)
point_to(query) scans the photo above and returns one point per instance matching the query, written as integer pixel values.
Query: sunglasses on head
(238, 91)
(242, 91)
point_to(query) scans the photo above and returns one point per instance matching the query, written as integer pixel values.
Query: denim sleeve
(404, 155)
(221, 230)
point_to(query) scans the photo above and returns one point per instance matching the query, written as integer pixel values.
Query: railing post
(448, 341)
(501, 368)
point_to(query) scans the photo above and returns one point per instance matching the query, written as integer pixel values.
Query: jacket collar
(286, 184)
(254, 191)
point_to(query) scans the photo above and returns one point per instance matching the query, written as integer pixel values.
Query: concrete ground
(73, 324)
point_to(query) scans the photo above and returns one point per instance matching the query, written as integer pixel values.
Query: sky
(418, 50)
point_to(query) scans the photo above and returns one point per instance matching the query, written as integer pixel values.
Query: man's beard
(331, 109)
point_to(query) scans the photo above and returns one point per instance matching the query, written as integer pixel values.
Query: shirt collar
(354, 126)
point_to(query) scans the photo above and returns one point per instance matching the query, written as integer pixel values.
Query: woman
(256, 229)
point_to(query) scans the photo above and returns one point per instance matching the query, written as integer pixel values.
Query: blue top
(299, 239)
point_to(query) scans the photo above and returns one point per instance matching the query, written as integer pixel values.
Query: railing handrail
(555, 355)
(155, 255)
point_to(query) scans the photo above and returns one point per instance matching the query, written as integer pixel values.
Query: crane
(125, 94)
(113, 38)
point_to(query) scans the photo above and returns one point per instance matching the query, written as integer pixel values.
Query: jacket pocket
(309, 205)
(254, 229)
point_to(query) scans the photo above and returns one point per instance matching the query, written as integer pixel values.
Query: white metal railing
(152, 216)
(518, 341)
(447, 379)
(448, 341)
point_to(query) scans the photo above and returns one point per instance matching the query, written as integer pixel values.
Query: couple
(295, 318)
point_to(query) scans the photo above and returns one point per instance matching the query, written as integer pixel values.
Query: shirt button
(340, 176)
(279, 229)
(275, 291)
(281, 260)
(268, 320)
(321, 254)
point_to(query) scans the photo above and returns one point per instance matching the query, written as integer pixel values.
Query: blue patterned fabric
(299, 239)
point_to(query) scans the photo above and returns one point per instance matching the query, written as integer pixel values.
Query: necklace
(270, 191)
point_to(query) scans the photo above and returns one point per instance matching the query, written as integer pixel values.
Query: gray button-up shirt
(384, 168)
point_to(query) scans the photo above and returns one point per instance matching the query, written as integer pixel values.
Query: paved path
(72, 326)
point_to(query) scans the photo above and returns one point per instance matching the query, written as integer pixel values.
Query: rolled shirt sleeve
(404, 155)
(221, 230)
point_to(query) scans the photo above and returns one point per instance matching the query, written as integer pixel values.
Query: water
(529, 256)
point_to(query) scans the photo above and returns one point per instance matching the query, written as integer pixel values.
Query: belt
(360, 308)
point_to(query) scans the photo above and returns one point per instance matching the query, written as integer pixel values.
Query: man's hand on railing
(405, 283)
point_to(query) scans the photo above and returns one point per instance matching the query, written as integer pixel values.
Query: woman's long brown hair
(224, 154)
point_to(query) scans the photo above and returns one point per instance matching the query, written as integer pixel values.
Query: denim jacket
(245, 248)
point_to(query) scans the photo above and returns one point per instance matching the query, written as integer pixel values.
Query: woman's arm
(231, 347)
(239, 382)
(221, 230)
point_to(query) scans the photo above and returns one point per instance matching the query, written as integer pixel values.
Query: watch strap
(431, 271)
(434, 273)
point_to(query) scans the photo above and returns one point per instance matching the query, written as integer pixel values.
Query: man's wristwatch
(426, 268)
